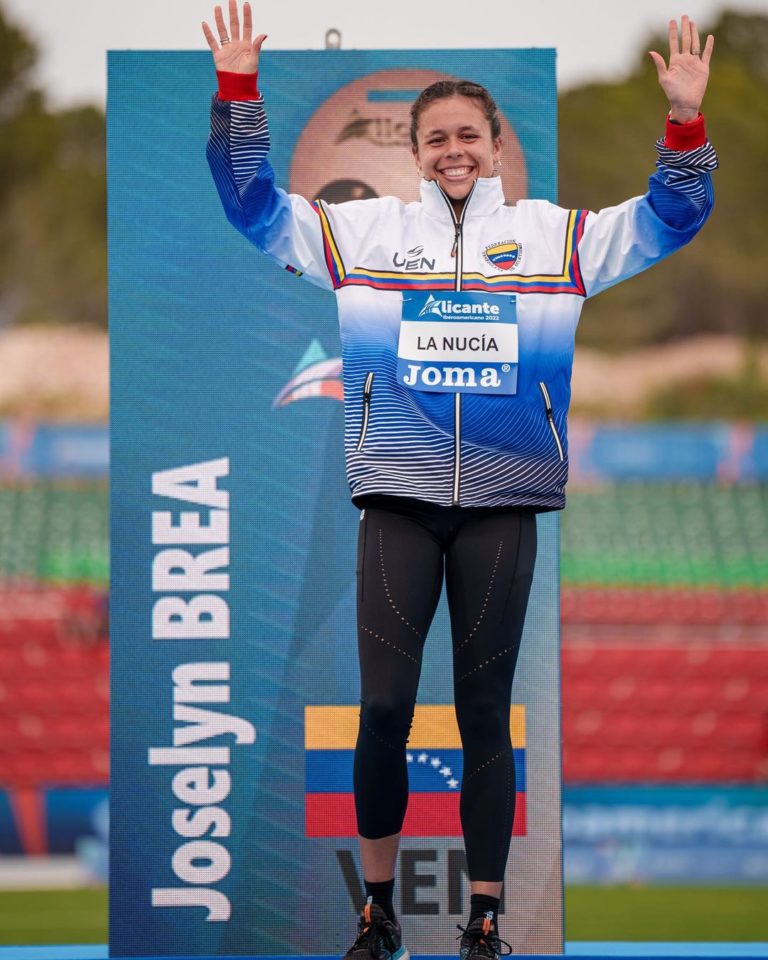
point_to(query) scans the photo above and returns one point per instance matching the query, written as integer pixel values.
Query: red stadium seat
(694, 710)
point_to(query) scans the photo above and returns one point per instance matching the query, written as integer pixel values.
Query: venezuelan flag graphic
(503, 255)
(434, 770)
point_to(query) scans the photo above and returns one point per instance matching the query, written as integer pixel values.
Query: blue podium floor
(583, 950)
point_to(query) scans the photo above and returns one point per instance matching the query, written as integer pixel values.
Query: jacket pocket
(551, 420)
(367, 391)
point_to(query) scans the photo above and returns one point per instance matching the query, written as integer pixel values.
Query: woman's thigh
(399, 578)
(489, 569)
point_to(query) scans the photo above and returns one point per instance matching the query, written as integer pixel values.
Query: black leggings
(488, 555)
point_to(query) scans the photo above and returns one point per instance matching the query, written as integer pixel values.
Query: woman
(456, 385)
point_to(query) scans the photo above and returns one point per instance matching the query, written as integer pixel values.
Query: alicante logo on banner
(435, 766)
(379, 130)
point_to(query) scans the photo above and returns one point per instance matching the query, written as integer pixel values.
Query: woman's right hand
(233, 53)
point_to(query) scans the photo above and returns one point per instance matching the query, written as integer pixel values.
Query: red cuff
(685, 136)
(237, 86)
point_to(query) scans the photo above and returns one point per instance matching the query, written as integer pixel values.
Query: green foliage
(55, 260)
(53, 194)
(17, 57)
(718, 283)
(740, 397)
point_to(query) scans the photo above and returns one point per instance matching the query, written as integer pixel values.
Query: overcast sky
(595, 39)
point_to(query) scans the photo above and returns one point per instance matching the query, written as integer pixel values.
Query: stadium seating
(666, 535)
(54, 686)
(665, 634)
(639, 606)
(54, 532)
(697, 712)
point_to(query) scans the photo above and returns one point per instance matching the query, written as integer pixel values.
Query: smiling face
(455, 146)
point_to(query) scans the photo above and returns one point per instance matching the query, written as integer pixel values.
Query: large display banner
(235, 682)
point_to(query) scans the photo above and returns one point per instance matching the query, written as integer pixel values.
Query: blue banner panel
(699, 452)
(54, 450)
(688, 834)
(233, 536)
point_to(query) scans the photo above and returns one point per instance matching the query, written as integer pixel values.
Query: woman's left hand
(685, 79)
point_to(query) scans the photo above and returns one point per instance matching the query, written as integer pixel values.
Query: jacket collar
(485, 199)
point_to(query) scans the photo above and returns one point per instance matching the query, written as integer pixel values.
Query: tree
(53, 196)
(717, 284)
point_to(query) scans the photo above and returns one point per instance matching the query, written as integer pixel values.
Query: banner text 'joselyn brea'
(191, 587)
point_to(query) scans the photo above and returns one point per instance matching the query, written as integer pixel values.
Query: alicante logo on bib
(458, 342)
(504, 256)
(453, 308)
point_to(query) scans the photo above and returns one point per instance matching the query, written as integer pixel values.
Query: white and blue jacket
(456, 447)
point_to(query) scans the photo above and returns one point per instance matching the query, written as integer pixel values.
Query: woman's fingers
(674, 46)
(658, 61)
(234, 50)
(695, 44)
(247, 22)
(234, 20)
(210, 38)
(686, 40)
(685, 35)
(220, 25)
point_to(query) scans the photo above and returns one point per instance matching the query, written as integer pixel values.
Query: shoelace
(486, 936)
(372, 932)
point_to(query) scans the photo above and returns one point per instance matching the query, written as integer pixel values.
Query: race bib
(458, 343)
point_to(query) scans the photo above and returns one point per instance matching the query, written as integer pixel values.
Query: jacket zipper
(551, 419)
(367, 390)
(456, 449)
(457, 251)
(456, 238)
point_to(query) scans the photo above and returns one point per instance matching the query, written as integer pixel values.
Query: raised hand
(685, 79)
(234, 52)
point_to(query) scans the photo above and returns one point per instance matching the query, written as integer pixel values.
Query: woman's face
(455, 146)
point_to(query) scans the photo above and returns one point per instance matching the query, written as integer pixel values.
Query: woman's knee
(483, 720)
(387, 719)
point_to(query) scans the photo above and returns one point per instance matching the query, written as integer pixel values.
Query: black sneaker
(377, 936)
(480, 940)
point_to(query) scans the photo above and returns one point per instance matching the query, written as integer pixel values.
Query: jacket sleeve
(620, 241)
(285, 226)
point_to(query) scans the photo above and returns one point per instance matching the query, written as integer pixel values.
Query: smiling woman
(456, 361)
(456, 137)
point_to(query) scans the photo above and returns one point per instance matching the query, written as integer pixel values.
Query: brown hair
(456, 88)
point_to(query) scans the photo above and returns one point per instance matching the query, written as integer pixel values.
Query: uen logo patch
(504, 256)
(413, 259)
(435, 768)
